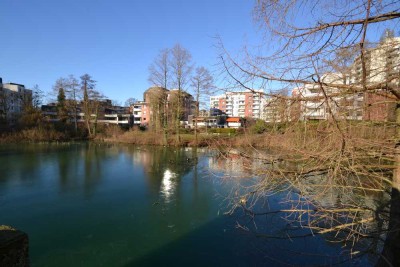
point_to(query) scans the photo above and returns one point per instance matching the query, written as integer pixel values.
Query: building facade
(382, 67)
(13, 98)
(240, 104)
(161, 104)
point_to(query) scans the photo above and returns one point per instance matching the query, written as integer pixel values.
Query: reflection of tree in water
(21, 162)
(80, 167)
(164, 167)
(94, 157)
(341, 206)
(233, 163)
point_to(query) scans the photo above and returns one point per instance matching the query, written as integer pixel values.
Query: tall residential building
(240, 104)
(13, 97)
(382, 65)
(310, 102)
(214, 101)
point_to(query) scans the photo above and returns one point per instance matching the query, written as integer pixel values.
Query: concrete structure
(13, 97)
(14, 247)
(240, 104)
(107, 114)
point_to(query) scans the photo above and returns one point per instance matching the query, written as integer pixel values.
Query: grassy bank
(308, 136)
(42, 133)
(290, 141)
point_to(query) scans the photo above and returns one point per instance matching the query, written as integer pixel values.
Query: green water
(111, 205)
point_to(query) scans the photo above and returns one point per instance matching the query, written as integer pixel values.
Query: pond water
(114, 205)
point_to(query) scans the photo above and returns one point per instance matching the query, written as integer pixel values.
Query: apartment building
(13, 97)
(312, 103)
(382, 65)
(240, 104)
(107, 113)
(215, 101)
(158, 101)
(137, 110)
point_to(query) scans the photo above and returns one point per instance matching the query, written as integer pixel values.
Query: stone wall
(14, 247)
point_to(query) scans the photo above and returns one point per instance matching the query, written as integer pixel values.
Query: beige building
(13, 97)
(313, 105)
(158, 101)
(382, 65)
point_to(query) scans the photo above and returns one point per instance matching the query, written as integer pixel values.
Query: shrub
(258, 127)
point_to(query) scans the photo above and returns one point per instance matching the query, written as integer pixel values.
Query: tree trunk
(390, 254)
(178, 117)
(165, 121)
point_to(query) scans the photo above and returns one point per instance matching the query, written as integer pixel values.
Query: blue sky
(114, 41)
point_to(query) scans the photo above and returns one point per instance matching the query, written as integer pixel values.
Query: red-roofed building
(234, 122)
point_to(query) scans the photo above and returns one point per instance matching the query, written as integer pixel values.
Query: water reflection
(342, 207)
(148, 200)
(163, 167)
(168, 185)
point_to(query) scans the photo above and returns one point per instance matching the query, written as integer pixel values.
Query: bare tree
(95, 100)
(62, 106)
(37, 97)
(31, 113)
(156, 98)
(5, 104)
(159, 75)
(130, 101)
(72, 91)
(89, 104)
(116, 102)
(159, 70)
(310, 55)
(180, 64)
(202, 83)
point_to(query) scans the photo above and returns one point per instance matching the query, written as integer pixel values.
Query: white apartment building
(13, 96)
(240, 104)
(137, 111)
(214, 100)
(382, 63)
(315, 106)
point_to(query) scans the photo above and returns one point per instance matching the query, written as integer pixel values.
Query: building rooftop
(233, 119)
